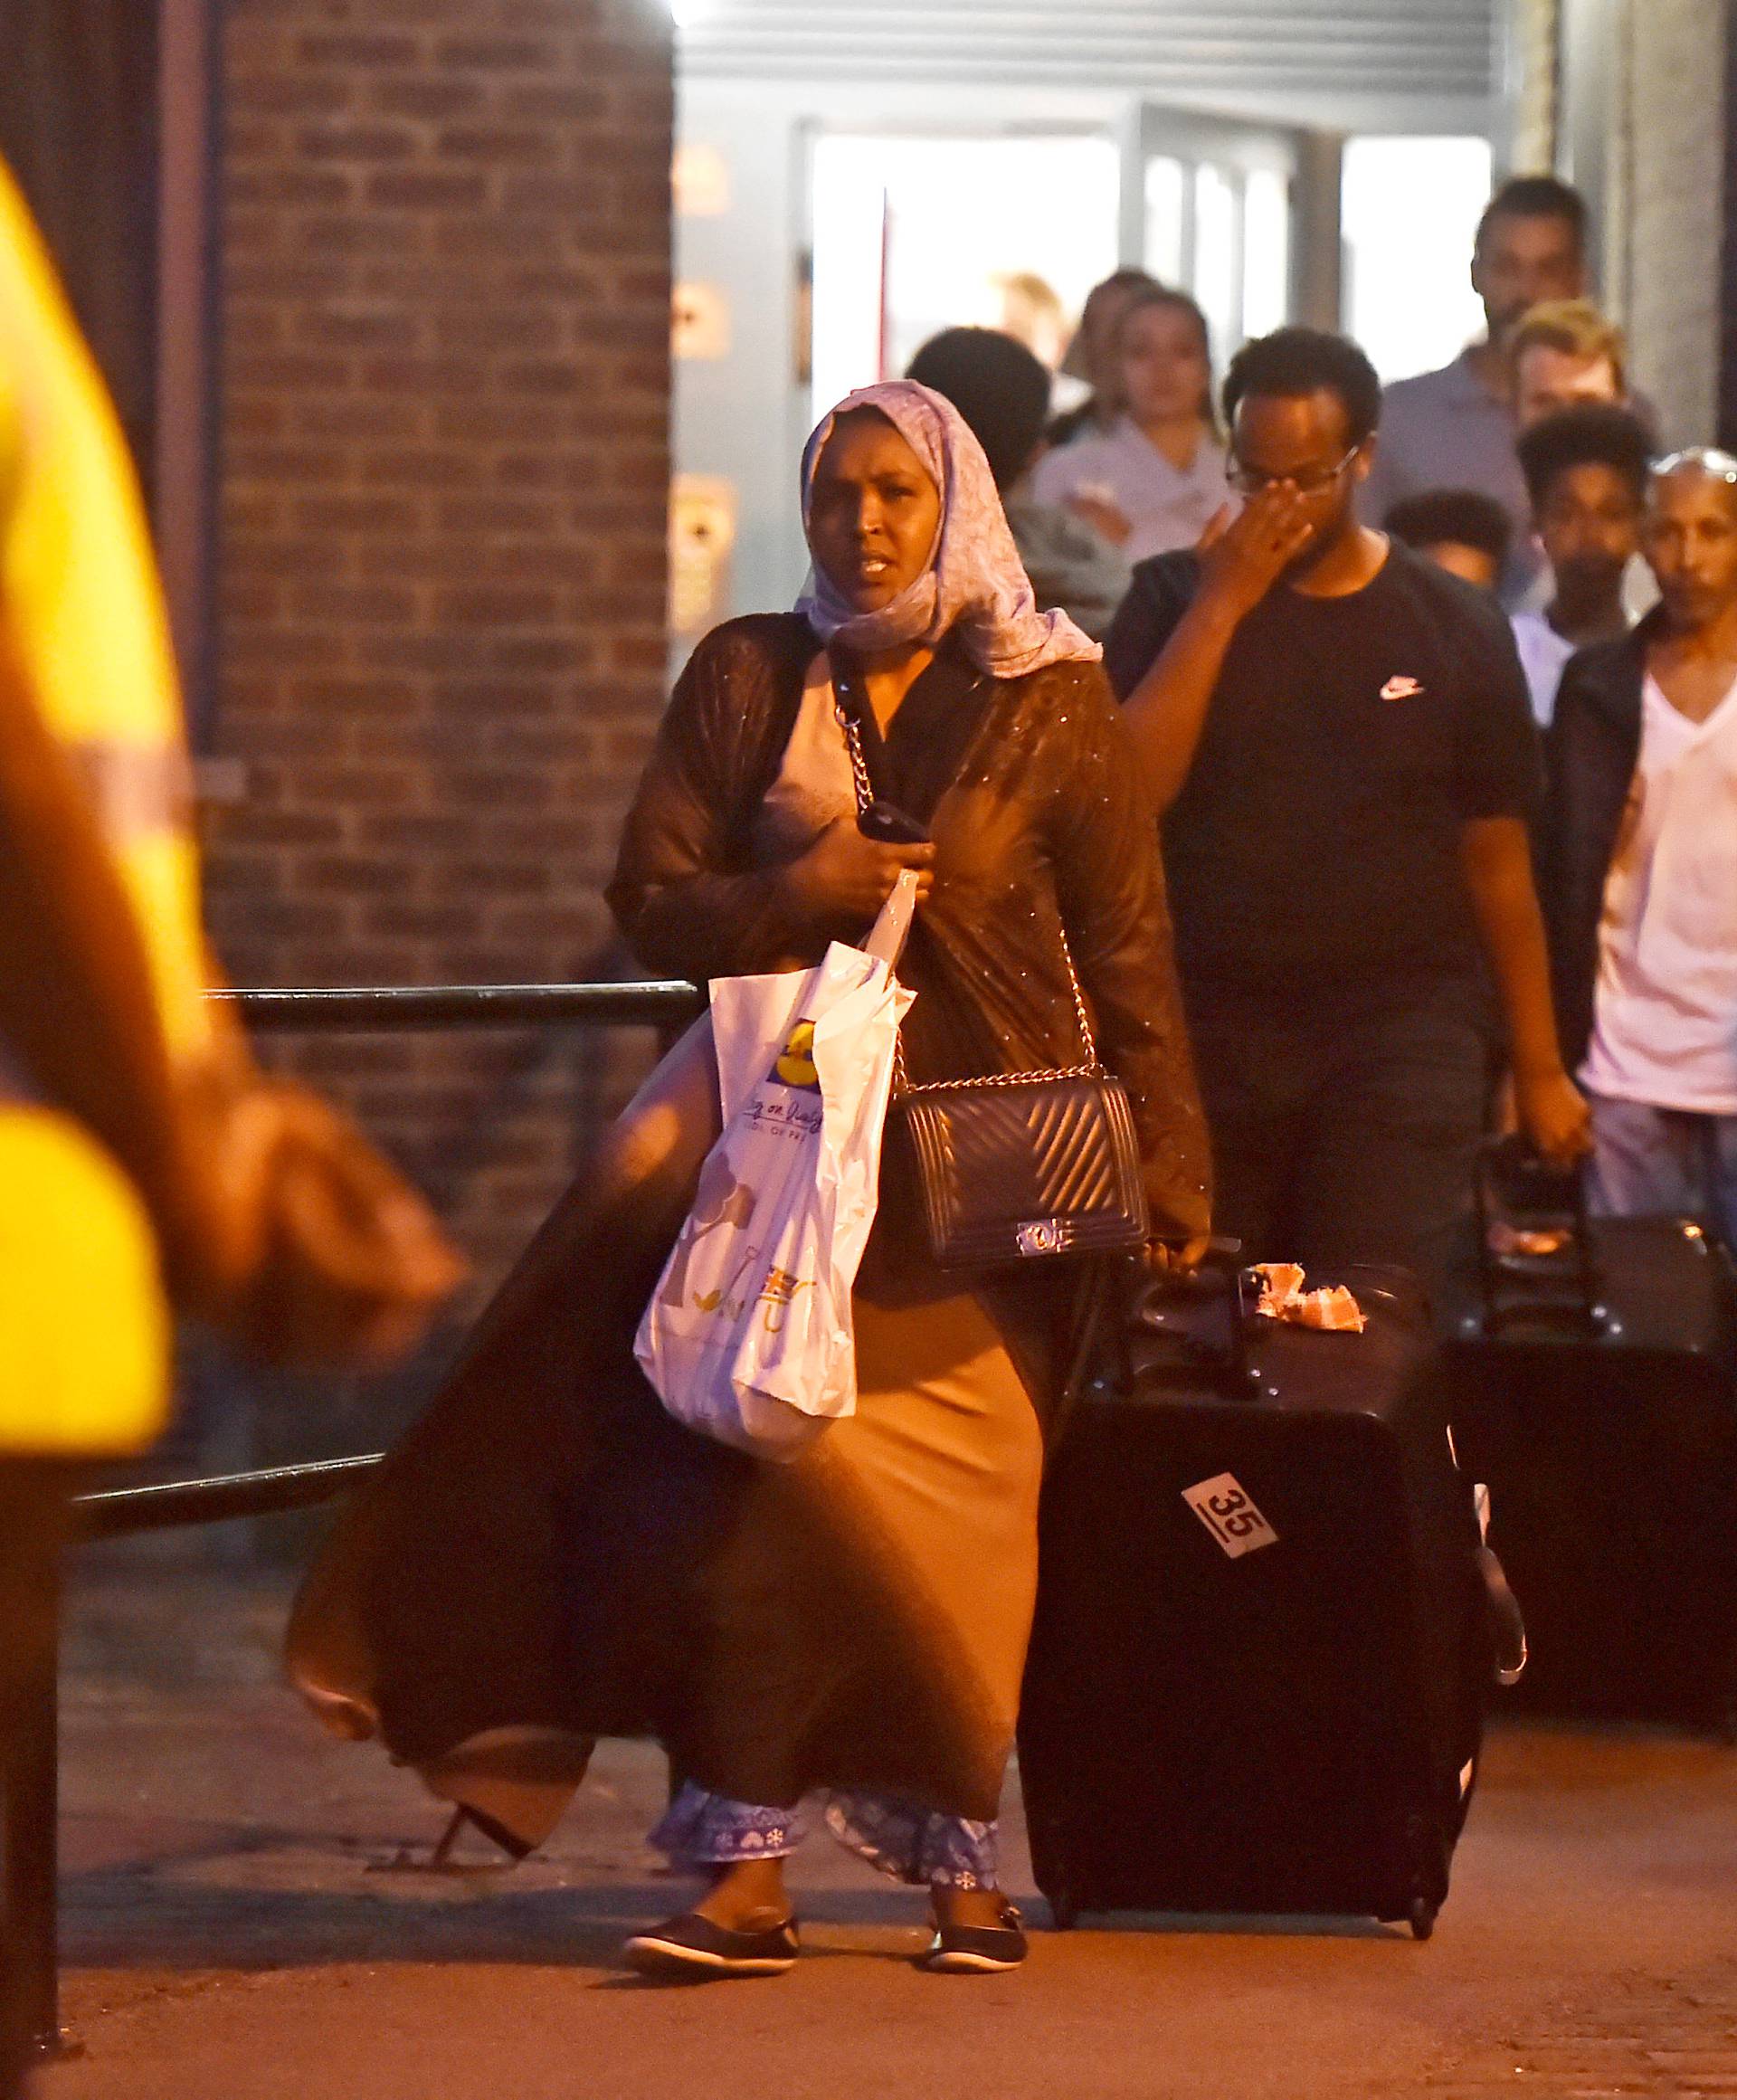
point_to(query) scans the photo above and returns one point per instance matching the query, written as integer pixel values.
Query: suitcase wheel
(1421, 1917)
(1064, 1912)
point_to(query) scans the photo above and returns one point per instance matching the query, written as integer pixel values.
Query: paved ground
(241, 1922)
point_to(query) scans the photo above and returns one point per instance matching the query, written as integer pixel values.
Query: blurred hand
(845, 875)
(1554, 1116)
(1243, 553)
(292, 1234)
(1103, 517)
(1167, 1258)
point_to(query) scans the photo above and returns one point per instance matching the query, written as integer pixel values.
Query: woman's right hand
(1104, 517)
(1244, 553)
(844, 875)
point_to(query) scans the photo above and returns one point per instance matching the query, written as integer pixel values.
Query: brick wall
(445, 242)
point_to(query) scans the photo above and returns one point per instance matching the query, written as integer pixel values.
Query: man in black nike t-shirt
(1338, 735)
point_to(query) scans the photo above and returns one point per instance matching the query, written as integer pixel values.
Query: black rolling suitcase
(1592, 1363)
(1259, 1664)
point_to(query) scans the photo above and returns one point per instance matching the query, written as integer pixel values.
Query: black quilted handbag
(1014, 1166)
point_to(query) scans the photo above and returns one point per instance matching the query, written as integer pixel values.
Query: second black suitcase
(1260, 1665)
(1593, 1364)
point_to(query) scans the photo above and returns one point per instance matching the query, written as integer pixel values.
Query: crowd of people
(1212, 717)
(1364, 933)
(1354, 813)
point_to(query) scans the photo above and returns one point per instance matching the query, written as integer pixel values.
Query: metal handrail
(32, 1781)
(30, 1808)
(163, 1505)
(388, 1006)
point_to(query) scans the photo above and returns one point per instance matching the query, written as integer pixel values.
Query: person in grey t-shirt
(1456, 428)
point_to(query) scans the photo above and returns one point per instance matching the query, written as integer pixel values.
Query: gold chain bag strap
(1013, 1166)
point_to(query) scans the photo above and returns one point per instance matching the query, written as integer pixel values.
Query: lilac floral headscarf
(976, 584)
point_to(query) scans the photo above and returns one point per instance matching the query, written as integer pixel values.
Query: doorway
(1216, 208)
(911, 235)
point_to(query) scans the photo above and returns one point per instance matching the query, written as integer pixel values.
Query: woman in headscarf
(852, 1624)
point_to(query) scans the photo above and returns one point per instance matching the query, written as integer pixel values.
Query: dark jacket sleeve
(1590, 753)
(684, 893)
(1147, 617)
(1498, 769)
(1110, 885)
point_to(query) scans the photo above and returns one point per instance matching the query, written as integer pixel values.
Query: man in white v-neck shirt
(1643, 862)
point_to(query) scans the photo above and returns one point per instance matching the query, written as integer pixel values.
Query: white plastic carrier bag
(748, 1334)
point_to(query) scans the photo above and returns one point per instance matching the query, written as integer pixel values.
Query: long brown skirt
(548, 1557)
(912, 1526)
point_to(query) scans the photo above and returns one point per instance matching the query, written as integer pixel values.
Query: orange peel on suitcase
(1283, 1298)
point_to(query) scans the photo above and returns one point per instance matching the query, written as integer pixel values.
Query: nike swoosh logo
(1400, 689)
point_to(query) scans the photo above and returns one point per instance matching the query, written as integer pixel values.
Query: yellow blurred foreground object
(257, 1207)
(81, 590)
(84, 1331)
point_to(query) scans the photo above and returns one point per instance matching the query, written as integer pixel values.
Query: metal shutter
(1403, 48)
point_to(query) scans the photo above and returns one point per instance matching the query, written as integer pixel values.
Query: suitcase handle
(1221, 1359)
(1506, 1298)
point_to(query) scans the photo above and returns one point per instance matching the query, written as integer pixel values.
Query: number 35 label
(1227, 1511)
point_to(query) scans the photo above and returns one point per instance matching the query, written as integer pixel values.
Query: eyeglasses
(1709, 459)
(1308, 482)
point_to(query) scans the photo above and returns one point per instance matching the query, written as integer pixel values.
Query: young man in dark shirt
(1587, 470)
(1338, 737)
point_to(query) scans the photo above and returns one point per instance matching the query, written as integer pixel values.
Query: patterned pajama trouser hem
(918, 1844)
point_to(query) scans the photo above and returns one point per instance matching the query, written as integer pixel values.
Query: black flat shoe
(693, 1947)
(976, 1950)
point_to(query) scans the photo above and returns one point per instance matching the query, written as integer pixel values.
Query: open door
(913, 231)
(1217, 211)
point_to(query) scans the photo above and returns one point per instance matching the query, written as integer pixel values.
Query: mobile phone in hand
(890, 825)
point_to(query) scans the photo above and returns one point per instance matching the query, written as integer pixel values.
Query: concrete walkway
(244, 1921)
